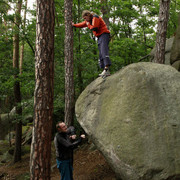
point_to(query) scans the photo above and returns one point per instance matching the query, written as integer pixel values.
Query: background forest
(133, 33)
(132, 25)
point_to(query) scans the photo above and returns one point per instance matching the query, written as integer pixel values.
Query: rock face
(6, 123)
(133, 118)
(172, 50)
(175, 52)
(169, 43)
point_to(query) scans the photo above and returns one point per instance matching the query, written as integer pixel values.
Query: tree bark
(40, 164)
(17, 92)
(161, 31)
(22, 46)
(68, 60)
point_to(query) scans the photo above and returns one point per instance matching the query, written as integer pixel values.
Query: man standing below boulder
(100, 30)
(64, 145)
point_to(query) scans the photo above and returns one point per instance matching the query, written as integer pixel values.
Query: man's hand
(83, 136)
(73, 137)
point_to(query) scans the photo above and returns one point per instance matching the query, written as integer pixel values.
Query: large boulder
(133, 118)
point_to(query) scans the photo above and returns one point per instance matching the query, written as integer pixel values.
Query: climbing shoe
(105, 73)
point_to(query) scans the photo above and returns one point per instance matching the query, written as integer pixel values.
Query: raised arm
(80, 25)
(68, 144)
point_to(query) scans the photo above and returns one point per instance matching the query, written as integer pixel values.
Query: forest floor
(89, 164)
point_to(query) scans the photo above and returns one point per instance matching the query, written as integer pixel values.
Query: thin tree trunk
(40, 164)
(17, 92)
(161, 31)
(22, 46)
(68, 60)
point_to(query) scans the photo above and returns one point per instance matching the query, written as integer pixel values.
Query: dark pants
(65, 169)
(103, 46)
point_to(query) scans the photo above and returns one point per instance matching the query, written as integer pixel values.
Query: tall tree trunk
(40, 164)
(68, 60)
(17, 92)
(22, 46)
(161, 31)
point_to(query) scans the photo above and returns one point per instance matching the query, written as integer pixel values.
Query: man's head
(87, 15)
(61, 127)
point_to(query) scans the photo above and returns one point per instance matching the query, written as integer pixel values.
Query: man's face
(87, 18)
(62, 127)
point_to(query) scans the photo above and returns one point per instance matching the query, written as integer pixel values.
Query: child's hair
(85, 13)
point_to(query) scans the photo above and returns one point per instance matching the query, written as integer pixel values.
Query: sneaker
(106, 72)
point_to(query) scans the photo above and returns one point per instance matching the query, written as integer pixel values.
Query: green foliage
(26, 149)
(173, 18)
(125, 51)
(133, 33)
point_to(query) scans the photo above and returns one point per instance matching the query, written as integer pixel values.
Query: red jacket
(98, 25)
